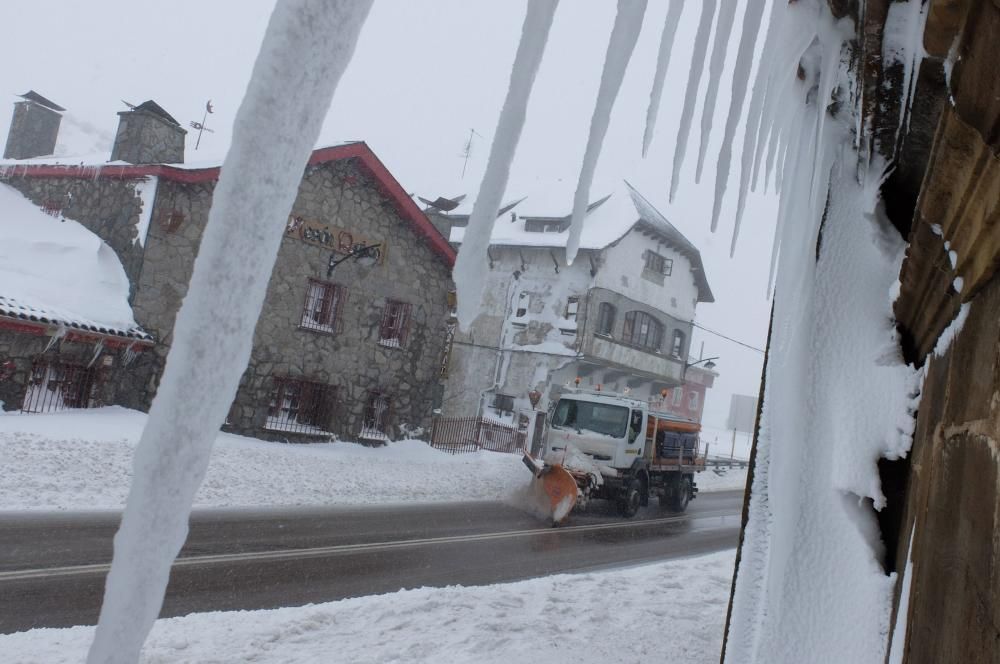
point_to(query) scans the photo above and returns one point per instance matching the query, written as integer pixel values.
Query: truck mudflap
(559, 489)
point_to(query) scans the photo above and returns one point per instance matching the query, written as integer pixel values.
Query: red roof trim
(45, 329)
(387, 184)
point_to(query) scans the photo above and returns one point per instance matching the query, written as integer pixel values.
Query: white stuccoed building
(619, 317)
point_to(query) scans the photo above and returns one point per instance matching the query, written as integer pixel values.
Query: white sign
(742, 413)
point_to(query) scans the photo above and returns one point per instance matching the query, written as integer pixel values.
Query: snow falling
(306, 49)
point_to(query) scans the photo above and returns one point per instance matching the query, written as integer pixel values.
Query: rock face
(339, 206)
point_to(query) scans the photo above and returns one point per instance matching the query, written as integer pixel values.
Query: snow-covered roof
(609, 218)
(57, 272)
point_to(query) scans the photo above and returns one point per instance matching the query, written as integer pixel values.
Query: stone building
(620, 317)
(353, 351)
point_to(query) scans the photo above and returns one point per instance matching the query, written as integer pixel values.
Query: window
(678, 396)
(57, 386)
(395, 324)
(503, 403)
(641, 329)
(300, 406)
(677, 347)
(322, 308)
(597, 417)
(572, 307)
(693, 400)
(375, 425)
(606, 318)
(659, 264)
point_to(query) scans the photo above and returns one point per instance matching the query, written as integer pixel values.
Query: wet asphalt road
(52, 566)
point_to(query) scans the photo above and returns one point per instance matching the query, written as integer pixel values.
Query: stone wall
(110, 208)
(339, 194)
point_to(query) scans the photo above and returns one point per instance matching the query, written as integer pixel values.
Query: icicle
(754, 112)
(800, 133)
(469, 274)
(624, 34)
(691, 92)
(306, 48)
(662, 63)
(723, 31)
(741, 76)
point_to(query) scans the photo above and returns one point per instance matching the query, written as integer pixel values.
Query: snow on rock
(624, 34)
(691, 92)
(662, 64)
(567, 618)
(469, 274)
(83, 460)
(59, 269)
(146, 191)
(306, 49)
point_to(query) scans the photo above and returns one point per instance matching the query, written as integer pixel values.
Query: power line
(720, 334)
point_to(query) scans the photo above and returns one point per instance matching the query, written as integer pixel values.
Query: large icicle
(628, 23)
(306, 48)
(741, 77)
(754, 117)
(691, 92)
(723, 31)
(469, 272)
(662, 64)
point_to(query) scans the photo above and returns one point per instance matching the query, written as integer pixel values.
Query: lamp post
(365, 254)
(709, 364)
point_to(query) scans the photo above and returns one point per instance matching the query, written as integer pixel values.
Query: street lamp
(709, 364)
(365, 254)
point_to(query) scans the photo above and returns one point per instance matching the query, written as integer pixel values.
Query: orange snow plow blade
(557, 485)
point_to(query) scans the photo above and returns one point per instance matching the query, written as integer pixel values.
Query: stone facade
(158, 246)
(148, 137)
(33, 131)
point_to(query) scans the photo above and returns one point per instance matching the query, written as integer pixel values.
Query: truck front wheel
(628, 504)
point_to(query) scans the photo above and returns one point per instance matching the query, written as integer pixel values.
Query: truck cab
(608, 428)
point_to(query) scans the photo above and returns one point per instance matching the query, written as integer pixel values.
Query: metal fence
(468, 434)
(301, 406)
(56, 386)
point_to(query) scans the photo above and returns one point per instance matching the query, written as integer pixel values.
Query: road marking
(340, 549)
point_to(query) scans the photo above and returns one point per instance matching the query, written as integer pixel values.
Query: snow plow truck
(601, 445)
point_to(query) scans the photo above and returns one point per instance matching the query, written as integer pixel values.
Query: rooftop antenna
(467, 151)
(200, 126)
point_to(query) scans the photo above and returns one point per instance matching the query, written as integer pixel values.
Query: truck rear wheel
(628, 504)
(678, 499)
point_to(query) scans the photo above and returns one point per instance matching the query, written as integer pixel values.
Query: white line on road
(340, 549)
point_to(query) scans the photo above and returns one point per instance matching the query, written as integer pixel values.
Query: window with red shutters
(322, 308)
(395, 324)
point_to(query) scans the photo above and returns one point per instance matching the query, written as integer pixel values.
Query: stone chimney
(34, 128)
(147, 134)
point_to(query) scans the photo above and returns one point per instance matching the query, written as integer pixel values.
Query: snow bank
(83, 460)
(58, 268)
(569, 618)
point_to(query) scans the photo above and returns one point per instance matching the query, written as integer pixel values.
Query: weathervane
(200, 126)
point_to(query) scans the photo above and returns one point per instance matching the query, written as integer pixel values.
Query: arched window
(643, 330)
(606, 318)
(677, 346)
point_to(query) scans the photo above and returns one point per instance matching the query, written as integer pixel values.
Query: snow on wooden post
(306, 49)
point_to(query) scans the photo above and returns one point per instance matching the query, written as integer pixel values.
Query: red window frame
(323, 304)
(395, 327)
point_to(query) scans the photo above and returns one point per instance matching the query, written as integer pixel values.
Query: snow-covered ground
(666, 612)
(83, 460)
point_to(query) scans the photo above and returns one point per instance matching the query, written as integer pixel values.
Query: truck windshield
(597, 417)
